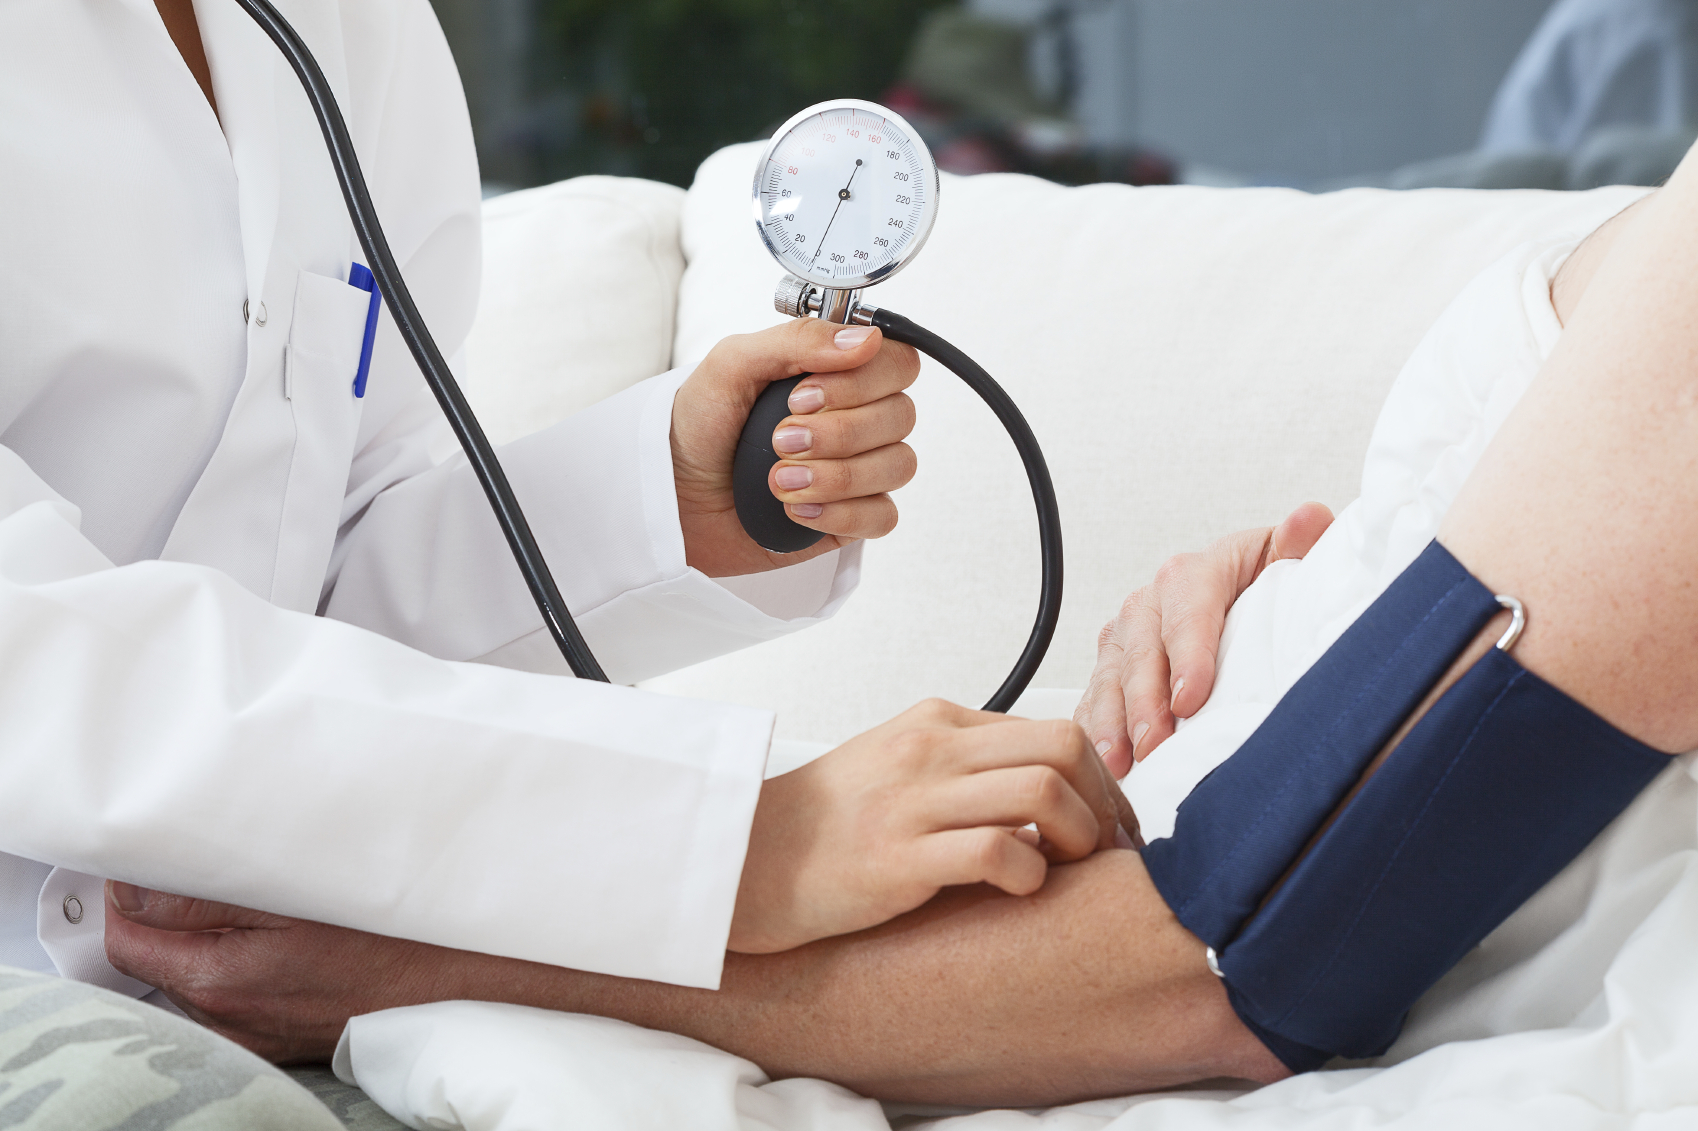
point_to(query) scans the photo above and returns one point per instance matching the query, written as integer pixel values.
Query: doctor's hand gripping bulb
(844, 197)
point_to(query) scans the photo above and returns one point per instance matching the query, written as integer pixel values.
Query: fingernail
(852, 337)
(807, 510)
(793, 478)
(1178, 686)
(1121, 840)
(793, 440)
(128, 898)
(1103, 747)
(1138, 735)
(806, 398)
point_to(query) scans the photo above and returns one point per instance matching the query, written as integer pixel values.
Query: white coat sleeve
(161, 725)
(428, 565)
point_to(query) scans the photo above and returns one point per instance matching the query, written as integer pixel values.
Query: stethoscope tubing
(479, 451)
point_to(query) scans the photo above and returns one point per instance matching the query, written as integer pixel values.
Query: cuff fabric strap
(1488, 797)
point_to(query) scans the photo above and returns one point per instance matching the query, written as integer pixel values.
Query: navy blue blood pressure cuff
(1497, 788)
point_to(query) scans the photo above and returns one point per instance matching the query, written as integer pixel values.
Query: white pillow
(1194, 361)
(580, 284)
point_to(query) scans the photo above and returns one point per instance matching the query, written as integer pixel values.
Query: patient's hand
(280, 987)
(1156, 659)
(931, 799)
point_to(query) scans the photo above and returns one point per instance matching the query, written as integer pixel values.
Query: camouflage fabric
(77, 1058)
(356, 1110)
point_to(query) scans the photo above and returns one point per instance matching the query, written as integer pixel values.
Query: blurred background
(1314, 94)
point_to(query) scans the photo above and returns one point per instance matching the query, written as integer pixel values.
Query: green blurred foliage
(658, 85)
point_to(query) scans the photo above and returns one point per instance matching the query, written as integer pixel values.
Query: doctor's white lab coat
(186, 479)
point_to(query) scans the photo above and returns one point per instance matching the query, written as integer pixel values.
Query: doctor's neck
(179, 17)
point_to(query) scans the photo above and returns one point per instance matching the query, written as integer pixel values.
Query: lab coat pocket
(320, 362)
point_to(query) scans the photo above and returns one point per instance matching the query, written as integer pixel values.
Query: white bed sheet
(1579, 1013)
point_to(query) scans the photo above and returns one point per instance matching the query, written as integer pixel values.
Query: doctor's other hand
(936, 797)
(1156, 658)
(842, 445)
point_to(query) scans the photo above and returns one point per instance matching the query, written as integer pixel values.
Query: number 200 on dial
(846, 194)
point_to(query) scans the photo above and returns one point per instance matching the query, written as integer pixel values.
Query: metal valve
(792, 297)
(798, 298)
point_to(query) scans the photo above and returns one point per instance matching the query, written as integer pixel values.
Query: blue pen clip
(361, 278)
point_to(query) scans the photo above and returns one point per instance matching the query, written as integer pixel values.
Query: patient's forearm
(1088, 988)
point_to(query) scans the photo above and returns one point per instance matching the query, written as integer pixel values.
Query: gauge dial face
(846, 194)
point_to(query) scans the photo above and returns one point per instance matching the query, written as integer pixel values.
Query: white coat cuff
(70, 921)
(673, 616)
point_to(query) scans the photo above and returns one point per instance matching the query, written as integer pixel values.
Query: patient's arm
(1585, 506)
(1088, 988)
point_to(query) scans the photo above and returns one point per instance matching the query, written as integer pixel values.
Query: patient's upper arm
(1576, 273)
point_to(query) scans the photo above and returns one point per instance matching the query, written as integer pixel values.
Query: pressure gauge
(846, 194)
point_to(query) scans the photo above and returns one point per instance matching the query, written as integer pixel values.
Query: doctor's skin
(1091, 987)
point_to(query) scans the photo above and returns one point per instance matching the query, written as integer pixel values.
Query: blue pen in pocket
(360, 277)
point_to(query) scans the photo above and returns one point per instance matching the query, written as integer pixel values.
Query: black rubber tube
(899, 329)
(416, 334)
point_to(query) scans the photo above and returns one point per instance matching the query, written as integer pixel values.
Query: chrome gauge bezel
(928, 219)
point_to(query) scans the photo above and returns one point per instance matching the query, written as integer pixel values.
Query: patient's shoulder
(1576, 273)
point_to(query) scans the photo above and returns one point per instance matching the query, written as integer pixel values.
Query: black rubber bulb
(763, 516)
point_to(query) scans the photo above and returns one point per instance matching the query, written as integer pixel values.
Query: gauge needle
(842, 195)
